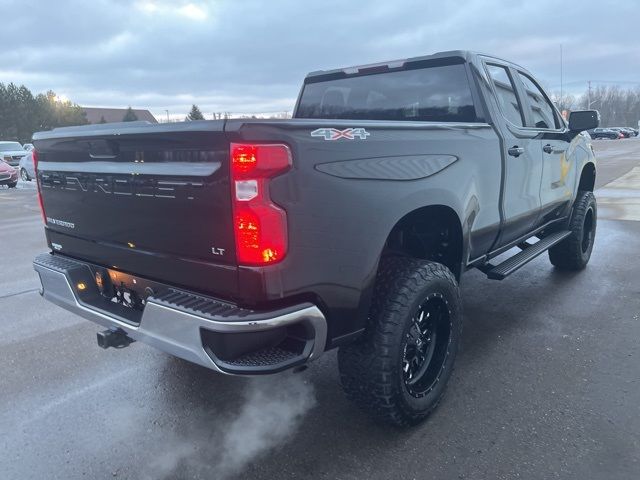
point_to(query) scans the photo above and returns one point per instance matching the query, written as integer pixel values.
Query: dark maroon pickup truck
(253, 246)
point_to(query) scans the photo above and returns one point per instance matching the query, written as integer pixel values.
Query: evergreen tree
(195, 113)
(21, 113)
(102, 120)
(129, 116)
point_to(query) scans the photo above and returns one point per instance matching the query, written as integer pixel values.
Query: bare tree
(565, 102)
(617, 107)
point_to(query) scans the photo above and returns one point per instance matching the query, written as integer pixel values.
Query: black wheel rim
(587, 231)
(426, 345)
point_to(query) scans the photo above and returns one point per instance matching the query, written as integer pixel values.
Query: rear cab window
(429, 94)
(505, 92)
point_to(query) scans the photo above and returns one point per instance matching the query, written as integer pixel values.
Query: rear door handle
(516, 151)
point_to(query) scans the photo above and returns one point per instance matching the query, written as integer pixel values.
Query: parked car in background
(598, 133)
(11, 152)
(26, 168)
(624, 133)
(631, 131)
(28, 147)
(8, 175)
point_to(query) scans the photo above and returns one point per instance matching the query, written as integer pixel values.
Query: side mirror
(583, 120)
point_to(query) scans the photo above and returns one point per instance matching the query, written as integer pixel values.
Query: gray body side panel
(339, 226)
(402, 167)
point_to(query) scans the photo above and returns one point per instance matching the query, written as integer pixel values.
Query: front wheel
(574, 252)
(24, 175)
(399, 370)
(12, 185)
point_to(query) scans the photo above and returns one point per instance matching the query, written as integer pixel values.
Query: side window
(506, 94)
(542, 110)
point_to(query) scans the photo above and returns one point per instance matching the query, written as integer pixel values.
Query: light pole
(167, 115)
(561, 92)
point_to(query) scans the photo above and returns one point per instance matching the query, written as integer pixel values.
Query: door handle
(516, 151)
(548, 148)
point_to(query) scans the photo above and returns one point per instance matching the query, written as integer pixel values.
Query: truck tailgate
(151, 200)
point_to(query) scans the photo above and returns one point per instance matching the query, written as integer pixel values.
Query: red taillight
(34, 155)
(259, 161)
(260, 226)
(244, 158)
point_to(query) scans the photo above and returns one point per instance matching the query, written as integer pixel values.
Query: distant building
(113, 115)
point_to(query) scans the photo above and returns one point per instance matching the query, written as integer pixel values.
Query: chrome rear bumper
(174, 321)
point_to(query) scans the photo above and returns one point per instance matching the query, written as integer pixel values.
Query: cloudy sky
(250, 56)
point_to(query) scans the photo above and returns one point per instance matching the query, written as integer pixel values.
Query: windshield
(10, 146)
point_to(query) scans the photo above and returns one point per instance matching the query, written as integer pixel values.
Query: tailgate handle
(103, 149)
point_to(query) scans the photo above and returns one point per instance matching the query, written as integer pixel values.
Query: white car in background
(27, 168)
(12, 153)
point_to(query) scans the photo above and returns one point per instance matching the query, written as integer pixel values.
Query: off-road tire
(371, 370)
(574, 252)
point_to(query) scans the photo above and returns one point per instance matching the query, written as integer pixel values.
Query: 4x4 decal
(335, 134)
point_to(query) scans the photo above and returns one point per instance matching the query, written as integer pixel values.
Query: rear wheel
(399, 370)
(574, 252)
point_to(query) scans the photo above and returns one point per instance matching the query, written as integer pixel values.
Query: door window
(542, 110)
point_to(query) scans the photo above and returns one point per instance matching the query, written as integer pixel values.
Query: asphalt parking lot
(547, 383)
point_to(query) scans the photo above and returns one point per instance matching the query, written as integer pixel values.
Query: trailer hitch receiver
(114, 338)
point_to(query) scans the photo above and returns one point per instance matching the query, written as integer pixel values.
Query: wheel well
(431, 233)
(588, 178)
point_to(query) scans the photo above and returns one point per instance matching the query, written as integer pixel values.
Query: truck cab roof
(450, 56)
